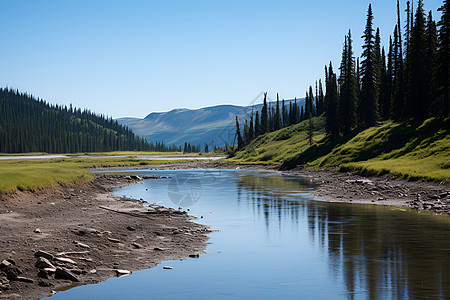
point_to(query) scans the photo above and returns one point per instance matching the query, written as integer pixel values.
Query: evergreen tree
(431, 65)
(321, 99)
(238, 135)
(418, 95)
(251, 130)
(443, 70)
(331, 101)
(246, 133)
(258, 130)
(284, 114)
(277, 120)
(348, 88)
(369, 91)
(264, 117)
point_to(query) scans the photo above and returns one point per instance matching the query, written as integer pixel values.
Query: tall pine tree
(369, 91)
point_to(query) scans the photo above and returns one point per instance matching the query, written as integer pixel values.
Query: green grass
(275, 147)
(38, 174)
(399, 150)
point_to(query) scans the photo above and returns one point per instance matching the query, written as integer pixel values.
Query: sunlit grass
(275, 147)
(37, 174)
(399, 150)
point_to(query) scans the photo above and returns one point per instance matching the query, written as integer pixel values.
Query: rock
(167, 268)
(158, 249)
(5, 264)
(122, 272)
(65, 260)
(64, 273)
(24, 279)
(5, 287)
(135, 177)
(443, 195)
(435, 197)
(136, 245)
(42, 274)
(78, 271)
(42, 263)
(37, 230)
(44, 254)
(131, 228)
(12, 272)
(113, 240)
(44, 283)
(81, 244)
(194, 255)
(50, 270)
(93, 271)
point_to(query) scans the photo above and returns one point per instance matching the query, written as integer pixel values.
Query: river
(274, 241)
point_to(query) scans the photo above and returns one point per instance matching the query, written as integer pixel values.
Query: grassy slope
(276, 147)
(401, 150)
(36, 174)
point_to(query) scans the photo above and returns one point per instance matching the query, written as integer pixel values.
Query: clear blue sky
(131, 57)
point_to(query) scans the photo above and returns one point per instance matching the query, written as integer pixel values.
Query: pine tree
(257, 125)
(284, 114)
(418, 95)
(246, 133)
(277, 120)
(251, 129)
(238, 135)
(443, 63)
(431, 65)
(321, 99)
(369, 90)
(331, 100)
(264, 117)
(348, 88)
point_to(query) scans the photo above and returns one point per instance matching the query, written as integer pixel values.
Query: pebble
(167, 268)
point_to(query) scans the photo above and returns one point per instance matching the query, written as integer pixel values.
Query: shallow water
(275, 241)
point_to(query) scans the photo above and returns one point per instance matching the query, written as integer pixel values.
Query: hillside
(398, 149)
(196, 126)
(31, 125)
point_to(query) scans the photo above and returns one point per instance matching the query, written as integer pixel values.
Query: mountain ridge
(212, 125)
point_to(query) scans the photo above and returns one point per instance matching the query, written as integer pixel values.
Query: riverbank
(381, 190)
(351, 188)
(85, 235)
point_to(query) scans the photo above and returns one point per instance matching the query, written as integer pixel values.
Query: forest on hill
(408, 82)
(28, 124)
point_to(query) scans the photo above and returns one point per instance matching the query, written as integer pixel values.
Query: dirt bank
(351, 188)
(86, 235)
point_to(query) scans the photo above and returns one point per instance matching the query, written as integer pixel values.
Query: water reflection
(380, 252)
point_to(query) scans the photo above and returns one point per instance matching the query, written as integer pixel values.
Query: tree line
(408, 82)
(279, 115)
(28, 124)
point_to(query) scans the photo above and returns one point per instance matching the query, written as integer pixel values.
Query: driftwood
(124, 212)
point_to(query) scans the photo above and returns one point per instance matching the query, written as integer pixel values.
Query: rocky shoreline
(352, 188)
(71, 235)
(81, 234)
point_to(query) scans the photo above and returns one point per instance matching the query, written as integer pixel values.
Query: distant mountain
(210, 125)
(28, 124)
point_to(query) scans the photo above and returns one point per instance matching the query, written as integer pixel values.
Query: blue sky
(130, 58)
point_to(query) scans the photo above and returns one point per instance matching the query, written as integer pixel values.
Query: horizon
(125, 59)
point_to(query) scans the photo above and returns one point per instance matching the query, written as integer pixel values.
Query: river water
(274, 241)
